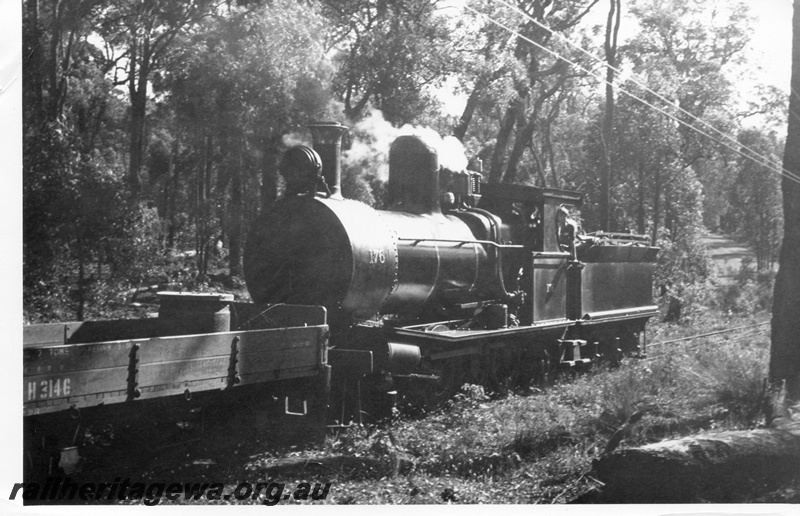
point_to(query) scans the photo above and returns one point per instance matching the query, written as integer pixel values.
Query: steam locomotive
(457, 281)
(355, 309)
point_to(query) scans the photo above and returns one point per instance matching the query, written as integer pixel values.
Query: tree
(52, 34)
(784, 364)
(610, 46)
(538, 89)
(646, 157)
(390, 56)
(755, 201)
(238, 86)
(144, 31)
(76, 212)
(690, 46)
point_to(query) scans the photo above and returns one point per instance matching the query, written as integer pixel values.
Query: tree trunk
(203, 203)
(269, 172)
(523, 138)
(640, 212)
(499, 152)
(81, 280)
(34, 63)
(656, 205)
(724, 467)
(547, 147)
(52, 62)
(525, 131)
(540, 167)
(170, 196)
(612, 30)
(235, 239)
(137, 89)
(460, 130)
(729, 466)
(784, 361)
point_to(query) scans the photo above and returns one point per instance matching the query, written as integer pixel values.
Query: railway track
(750, 330)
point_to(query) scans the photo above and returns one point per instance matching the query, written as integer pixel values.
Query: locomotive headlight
(448, 200)
(301, 168)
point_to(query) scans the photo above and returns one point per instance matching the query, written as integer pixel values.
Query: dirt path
(726, 253)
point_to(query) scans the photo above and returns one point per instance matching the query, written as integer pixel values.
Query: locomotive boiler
(456, 281)
(412, 260)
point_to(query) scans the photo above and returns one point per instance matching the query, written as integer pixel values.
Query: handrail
(536, 254)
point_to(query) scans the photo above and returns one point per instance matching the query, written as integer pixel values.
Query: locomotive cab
(536, 261)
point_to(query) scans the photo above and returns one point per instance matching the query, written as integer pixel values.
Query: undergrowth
(546, 439)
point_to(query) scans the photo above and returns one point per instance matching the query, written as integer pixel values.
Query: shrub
(684, 273)
(749, 293)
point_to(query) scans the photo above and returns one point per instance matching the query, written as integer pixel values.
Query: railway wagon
(203, 351)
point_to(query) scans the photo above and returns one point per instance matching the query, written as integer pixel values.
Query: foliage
(684, 270)
(365, 33)
(755, 212)
(750, 292)
(163, 124)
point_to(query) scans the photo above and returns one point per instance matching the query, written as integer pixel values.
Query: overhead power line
(751, 155)
(765, 161)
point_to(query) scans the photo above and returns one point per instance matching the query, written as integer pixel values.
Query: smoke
(296, 138)
(324, 110)
(370, 139)
(372, 136)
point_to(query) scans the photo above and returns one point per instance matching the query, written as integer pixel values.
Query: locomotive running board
(455, 336)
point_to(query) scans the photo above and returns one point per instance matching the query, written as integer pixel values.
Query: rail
(710, 334)
(757, 329)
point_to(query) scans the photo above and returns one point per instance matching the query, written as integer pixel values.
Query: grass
(537, 447)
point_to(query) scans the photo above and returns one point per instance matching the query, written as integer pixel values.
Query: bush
(127, 252)
(734, 378)
(749, 293)
(683, 276)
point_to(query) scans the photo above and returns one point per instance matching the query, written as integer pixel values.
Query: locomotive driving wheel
(506, 371)
(434, 394)
(450, 381)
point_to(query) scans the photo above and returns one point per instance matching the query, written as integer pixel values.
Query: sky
(772, 39)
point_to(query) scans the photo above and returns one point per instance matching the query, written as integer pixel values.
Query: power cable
(754, 156)
(647, 89)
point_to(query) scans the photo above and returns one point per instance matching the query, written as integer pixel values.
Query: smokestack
(327, 138)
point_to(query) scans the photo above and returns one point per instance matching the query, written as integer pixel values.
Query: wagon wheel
(544, 369)
(528, 367)
(629, 342)
(506, 370)
(450, 381)
(477, 370)
(429, 395)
